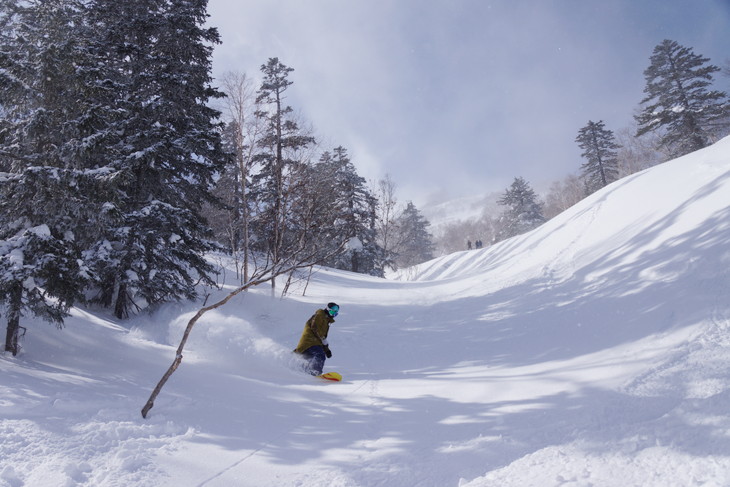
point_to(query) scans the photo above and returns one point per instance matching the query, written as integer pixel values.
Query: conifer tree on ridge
(679, 101)
(599, 150)
(524, 211)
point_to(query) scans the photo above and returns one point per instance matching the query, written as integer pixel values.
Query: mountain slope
(591, 351)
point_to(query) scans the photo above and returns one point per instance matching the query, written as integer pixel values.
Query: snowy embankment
(594, 351)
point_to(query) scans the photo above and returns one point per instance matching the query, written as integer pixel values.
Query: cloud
(461, 96)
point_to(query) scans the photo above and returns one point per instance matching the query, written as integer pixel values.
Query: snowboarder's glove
(327, 351)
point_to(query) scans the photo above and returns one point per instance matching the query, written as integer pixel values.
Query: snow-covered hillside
(594, 351)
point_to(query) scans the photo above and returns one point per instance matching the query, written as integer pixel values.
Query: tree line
(282, 191)
(118, 178)
(680, 113)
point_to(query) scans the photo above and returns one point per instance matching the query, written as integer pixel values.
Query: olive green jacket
(315, 330)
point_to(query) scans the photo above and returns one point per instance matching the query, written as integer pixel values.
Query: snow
(41, 231)
(354, 244)
(593, 351)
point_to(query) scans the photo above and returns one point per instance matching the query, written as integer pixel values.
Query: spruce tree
(153, 241)
(356, 214)
(414, 242)
(524, 211)
(599, 150)
(44, 209)
(679, 100)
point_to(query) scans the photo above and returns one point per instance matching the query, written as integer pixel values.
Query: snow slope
(593, 351)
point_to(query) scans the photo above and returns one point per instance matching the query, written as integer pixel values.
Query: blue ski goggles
(333, 311)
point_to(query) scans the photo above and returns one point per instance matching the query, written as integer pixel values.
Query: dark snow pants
(315, 358)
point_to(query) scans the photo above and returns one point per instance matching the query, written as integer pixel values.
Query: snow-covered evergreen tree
(599, 150)
(524, 210)
(43, 204)
(414, 242)
(355, 214)
(679, 101)
(153, 239)
(48, 85)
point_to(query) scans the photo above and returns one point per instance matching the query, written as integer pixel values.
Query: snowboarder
(313, 343)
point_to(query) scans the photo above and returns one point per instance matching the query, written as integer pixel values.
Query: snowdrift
(593, 351)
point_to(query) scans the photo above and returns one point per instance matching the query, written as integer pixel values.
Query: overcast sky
(457, 97)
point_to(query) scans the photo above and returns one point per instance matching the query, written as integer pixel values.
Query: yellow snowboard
(333, 376)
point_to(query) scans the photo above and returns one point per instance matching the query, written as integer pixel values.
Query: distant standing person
(313, 344)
